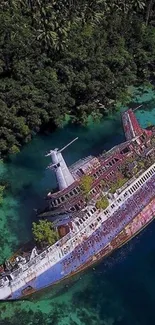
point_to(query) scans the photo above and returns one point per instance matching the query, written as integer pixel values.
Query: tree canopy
(2, 189)
(73, 58)
(102, 203)
(86, 184)
(44, 233)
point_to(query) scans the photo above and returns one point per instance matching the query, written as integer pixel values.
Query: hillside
(69, 57)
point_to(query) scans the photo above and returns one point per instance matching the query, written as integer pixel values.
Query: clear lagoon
(118, 291)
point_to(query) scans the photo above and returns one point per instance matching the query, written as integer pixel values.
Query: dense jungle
(69, 60)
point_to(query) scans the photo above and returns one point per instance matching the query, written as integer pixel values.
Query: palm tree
(148, 10)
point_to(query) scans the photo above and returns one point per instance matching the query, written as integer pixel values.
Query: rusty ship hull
(92, 250)
(88, 232)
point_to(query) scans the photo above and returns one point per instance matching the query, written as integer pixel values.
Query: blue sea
(118, 291)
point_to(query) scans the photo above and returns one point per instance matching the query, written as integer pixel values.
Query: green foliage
(2, 189)
(102, 203)
(14, 149)
(69, 58)
(44, 233)
(86, 184)
(118, 184)
(153, 141)
(141, 164)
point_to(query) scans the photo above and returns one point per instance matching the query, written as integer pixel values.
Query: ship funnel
(63, 174)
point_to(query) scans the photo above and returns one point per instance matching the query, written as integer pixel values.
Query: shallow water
(118, 291)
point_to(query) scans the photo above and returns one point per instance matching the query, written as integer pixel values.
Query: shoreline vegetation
(69, 60)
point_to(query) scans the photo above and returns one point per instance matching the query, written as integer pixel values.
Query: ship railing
(125, 195)
(72, 239)
(69, 248)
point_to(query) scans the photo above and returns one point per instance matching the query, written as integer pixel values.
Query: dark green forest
(69, 58)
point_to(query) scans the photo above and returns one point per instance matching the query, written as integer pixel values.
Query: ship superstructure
(88, 232)
(105, 167)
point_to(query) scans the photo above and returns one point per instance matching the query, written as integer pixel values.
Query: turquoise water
(118, 291)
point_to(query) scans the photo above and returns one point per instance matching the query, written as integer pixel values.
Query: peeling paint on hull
(145, 217)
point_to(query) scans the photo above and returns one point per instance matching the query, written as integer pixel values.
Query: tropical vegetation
(86, 183)
(75, 59)
(102, 203)
(44, 233)
(117, 184)
(2, 189)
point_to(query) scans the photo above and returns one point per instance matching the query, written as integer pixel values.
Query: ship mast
(63, 175)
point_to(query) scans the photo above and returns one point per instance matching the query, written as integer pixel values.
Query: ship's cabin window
(80, 221)
(75, 191)
(67, 196)
(72, 209)
(71, 193)
(56, 202)
(110, 163)
(76, 207)
(59, 201)
(125, 150)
